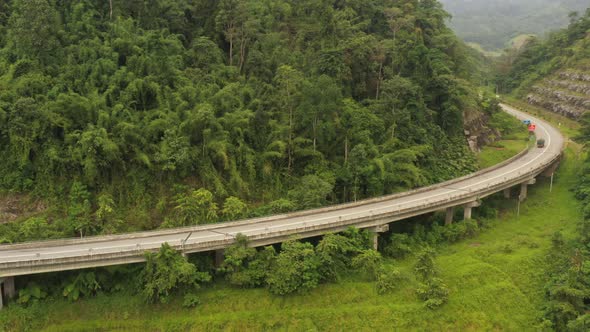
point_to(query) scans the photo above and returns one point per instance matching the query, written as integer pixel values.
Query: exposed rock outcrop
(477, 132)
(566, 93)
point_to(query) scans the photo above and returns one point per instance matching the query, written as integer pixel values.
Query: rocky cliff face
(566, 93)
(477, 132)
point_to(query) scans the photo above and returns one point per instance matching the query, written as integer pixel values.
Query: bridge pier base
(524, 188)
(449, 216)
(507, 193)
(376, 231)
(468, 209)
(219, 257)
(7, 289)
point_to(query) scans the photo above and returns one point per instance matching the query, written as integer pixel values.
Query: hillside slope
(555, 73)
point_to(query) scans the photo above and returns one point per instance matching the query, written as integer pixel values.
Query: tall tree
(33, 27)
(289, 81)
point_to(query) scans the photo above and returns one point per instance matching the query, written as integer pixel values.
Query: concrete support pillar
(467, 213)
(468, 209)
(449, 216)
(376, 230)
(9, 288)
(524, 188)
(219, 257)
(507, 193)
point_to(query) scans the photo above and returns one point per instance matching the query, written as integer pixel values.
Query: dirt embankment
(16, 206)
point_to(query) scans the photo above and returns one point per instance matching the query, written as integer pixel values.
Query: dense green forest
(492, 24)
(127, 115)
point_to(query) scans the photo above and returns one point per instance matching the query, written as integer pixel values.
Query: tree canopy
(197, 111)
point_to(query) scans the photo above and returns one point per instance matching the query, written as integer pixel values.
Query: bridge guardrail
(155, 233)
(138, 251)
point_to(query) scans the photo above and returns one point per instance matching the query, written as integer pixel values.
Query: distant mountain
(492, 24)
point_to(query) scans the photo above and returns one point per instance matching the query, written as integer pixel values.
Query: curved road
(36, 257)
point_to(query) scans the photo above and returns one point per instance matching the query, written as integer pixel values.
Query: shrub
(368, 261)
(167, 271)
(557, 240)
(22, 67)
(387, 280)
(30, 294)
(34, 229)
(471, 228)
(234, 208)
(279, 206)
(296, 269)
(191, 300)
(338, 250)
(434, 293)
(84, 284)
(580, 324)
(425, 267)
(245, 266)
(256, 272)
(400, 245)
(455, 232)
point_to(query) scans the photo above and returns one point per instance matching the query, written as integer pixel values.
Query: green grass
(496, 282)
(500, 151)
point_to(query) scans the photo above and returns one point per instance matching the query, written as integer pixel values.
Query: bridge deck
(69, 254)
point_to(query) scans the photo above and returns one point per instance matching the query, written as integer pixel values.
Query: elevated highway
(375, 214)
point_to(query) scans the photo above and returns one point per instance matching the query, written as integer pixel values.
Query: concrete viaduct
(374, 214)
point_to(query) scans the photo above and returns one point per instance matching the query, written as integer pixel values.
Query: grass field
(500, 151)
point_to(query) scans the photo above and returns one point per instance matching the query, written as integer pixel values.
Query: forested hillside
(122, 114)
(492, 24)
(554, 73)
